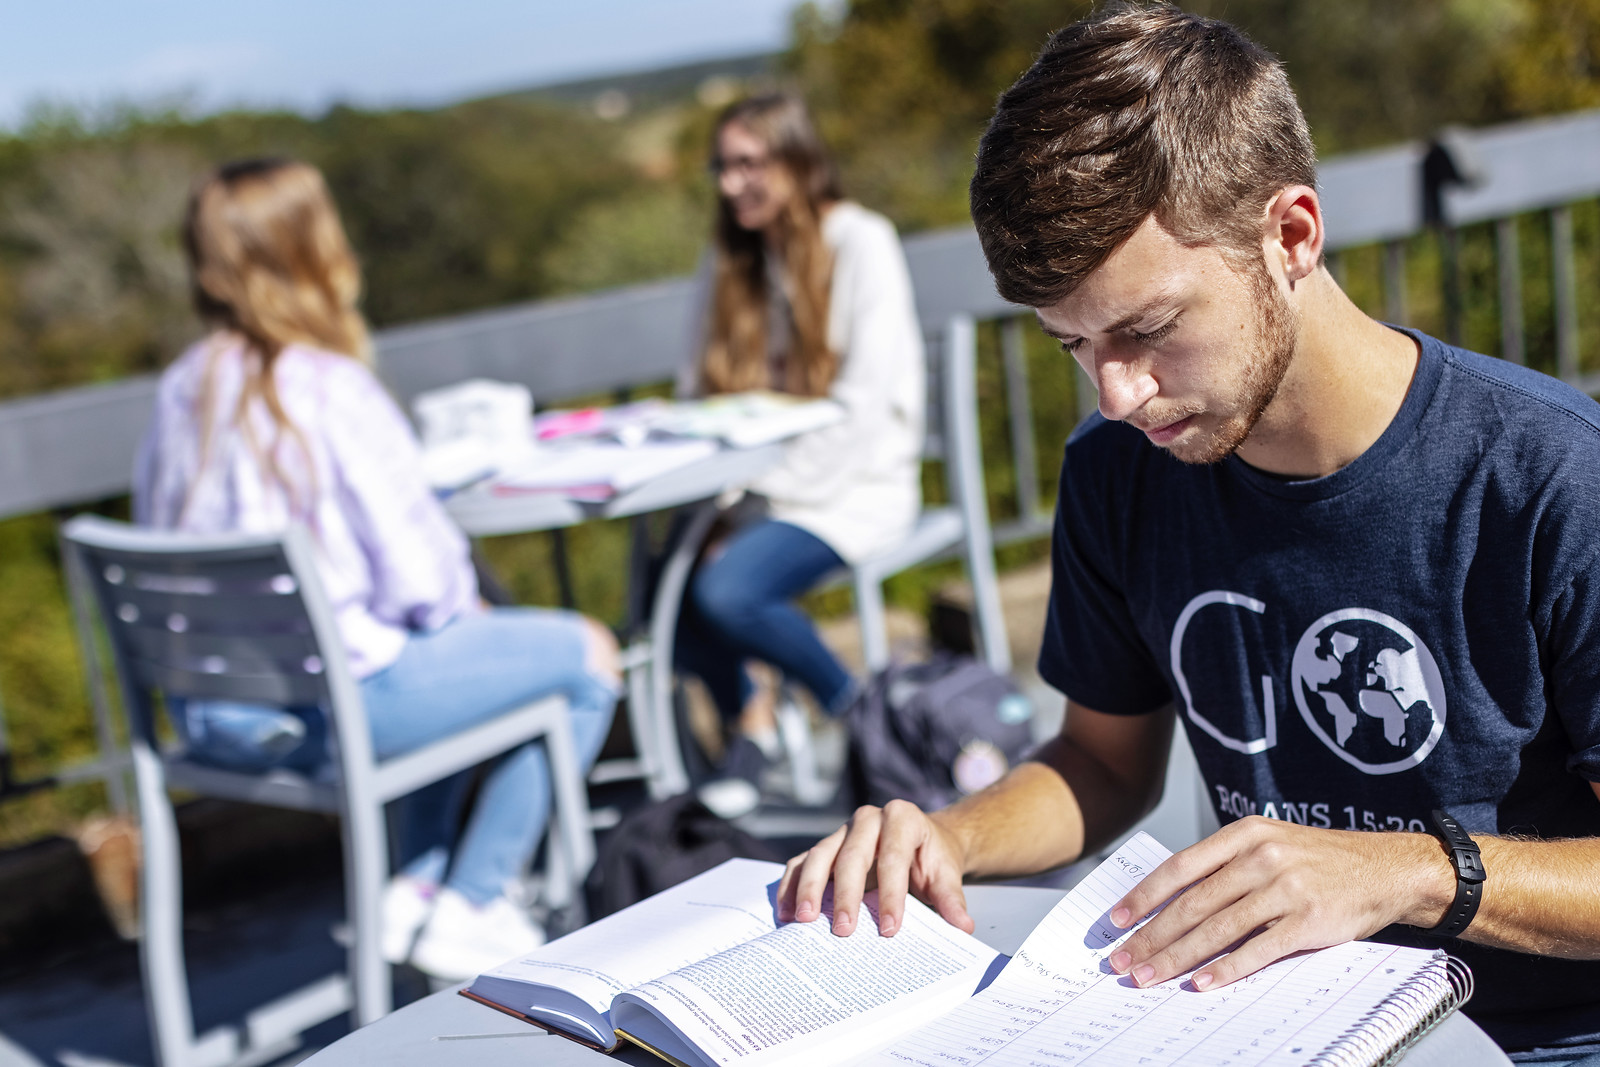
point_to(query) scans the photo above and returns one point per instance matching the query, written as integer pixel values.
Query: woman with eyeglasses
(276, 417)
(807, 293)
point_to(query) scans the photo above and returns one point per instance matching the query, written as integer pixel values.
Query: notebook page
(1058, 1002)
(708, 913)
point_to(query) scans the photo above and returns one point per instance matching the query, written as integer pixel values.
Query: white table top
(449, 1029)
(482, 512)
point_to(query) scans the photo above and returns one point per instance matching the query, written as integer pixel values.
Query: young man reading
(1358, 565)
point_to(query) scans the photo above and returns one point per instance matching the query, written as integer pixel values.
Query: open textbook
(703, 975)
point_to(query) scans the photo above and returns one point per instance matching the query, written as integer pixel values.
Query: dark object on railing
(1451, 160)
(11, 787)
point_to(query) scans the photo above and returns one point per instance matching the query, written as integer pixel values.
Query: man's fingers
(951, 904)
(811, 876)
(1269, 946)
(898, 849)
(1171, 876)
(1197, 943)
(789, 885)
(1204, 919)
(904, 832)
(852, 865)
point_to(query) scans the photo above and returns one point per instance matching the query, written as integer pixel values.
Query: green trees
(449, 210)
(526, 196)
(903, 87)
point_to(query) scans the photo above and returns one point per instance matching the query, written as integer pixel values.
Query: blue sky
(309, 53)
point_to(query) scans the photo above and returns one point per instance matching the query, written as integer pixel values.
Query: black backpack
(933, 732)
(659, 846)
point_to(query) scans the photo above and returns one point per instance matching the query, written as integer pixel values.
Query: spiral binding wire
(1383, 1035)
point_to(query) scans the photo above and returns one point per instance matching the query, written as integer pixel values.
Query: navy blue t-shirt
(1418, 630)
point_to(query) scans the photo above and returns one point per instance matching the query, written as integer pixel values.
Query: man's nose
(1125, 385)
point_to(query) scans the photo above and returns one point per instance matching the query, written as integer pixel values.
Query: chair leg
(640, 723)
(795, 730)
(874, 623)
(988, 612)
(166, 981)
(671, 778)
(571, 833)
(559, 891)
(366, 868)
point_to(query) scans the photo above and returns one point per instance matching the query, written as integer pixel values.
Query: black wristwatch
(1469, 874)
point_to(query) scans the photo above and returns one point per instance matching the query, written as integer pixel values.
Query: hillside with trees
(603, 182)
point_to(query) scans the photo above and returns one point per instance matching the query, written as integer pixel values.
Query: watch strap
(1468, 863)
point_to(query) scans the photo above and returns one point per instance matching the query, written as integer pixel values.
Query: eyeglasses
(743, 166)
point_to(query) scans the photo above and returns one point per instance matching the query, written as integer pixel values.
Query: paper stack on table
(472, 429)
(480, 429)
(740, 420)
(745, 420)
(598, 471)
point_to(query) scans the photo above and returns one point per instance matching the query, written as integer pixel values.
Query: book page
(803, 995)
(708, 913)
(1059, 1003)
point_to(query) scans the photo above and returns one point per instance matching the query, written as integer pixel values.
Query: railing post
(1450, 279)
(1394, 283)
(963, 459)
(1564, 283)
(1025, 462)
(1509, 261)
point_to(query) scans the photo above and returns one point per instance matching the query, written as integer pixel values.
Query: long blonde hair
(736, 350)
(270, 263)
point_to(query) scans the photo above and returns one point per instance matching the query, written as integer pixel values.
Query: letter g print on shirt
(1364, 682)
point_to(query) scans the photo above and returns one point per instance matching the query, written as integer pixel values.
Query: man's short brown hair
(1131, 111)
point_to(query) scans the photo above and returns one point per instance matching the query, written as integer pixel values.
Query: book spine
(1384, 1034)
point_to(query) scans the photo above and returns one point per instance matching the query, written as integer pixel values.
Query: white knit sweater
(856, 484)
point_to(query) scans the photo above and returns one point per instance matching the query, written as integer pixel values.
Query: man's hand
(897, 847)
(1030, 820)
(1279, 888)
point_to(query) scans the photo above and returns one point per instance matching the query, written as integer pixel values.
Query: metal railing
(72, 448)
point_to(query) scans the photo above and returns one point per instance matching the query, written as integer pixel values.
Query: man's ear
(1292, 233)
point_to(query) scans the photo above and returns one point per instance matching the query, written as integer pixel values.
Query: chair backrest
(951, 415)
(224, 617)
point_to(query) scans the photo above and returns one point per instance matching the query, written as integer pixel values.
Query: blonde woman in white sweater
(808, 293)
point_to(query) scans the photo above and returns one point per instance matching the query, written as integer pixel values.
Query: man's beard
(1274, 344)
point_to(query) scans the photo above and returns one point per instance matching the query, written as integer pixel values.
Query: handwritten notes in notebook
(1058, 1003)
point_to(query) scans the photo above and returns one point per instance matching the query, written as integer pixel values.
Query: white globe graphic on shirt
(1369, 688)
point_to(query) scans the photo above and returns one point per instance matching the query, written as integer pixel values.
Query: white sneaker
(460, 941)
(406, 904)
(729, 798)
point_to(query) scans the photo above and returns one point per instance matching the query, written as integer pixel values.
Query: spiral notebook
(1058, 1002)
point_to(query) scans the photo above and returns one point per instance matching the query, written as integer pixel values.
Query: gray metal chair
(952, 438)
(244, 618)
(962, 525)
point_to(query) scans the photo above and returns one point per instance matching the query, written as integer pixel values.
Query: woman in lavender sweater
(276, 417)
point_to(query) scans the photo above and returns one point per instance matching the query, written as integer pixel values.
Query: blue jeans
(739, 607)
(477, 667)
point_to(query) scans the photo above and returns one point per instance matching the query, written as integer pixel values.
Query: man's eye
(1157, 335)
(1072, 346)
